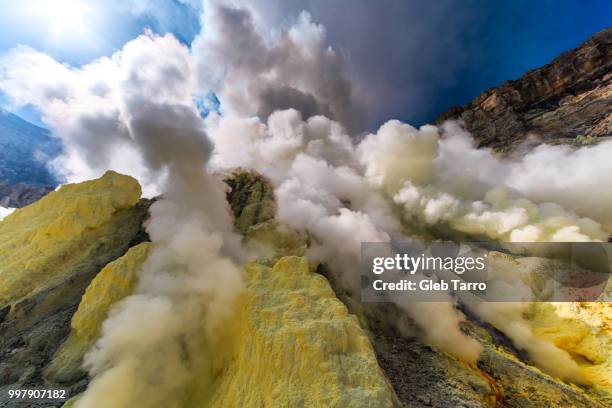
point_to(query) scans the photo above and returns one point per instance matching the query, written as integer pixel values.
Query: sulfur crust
(583, 329)
(38, 241)
(114, 282)
(291, 342)
(299, 346)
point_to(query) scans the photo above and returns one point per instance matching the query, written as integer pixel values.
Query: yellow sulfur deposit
(293, 343)
(582, 329)
(298, 346)
(42, 241)
(116, 281)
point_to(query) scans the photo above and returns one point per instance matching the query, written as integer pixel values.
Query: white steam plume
(345, 194)
(138, 105)
(156, 344)
(320, 188)
(451, 183)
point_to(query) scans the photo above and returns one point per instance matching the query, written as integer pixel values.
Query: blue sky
(410, 59)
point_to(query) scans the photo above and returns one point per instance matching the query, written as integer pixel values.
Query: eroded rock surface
(569, 99)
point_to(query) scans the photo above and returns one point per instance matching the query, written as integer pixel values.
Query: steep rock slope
(299, 346)
(49, 253)
(569, 99)
(251, 198)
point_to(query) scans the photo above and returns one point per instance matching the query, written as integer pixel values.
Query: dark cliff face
(569, 99)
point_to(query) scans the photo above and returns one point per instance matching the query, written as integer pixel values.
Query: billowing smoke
(510, 319)
(255, 72)
(321, 188)
(451, 183)
(344, 194)
(574, 179)
(154, 345)
(136, 109)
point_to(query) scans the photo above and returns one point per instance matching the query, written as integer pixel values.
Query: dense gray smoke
(399, 56)
(257, 73)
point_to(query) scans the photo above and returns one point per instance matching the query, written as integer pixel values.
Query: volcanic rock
(567, 100)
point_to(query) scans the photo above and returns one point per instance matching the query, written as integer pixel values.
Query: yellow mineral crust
(582, 329)
(38, 241)
(114, 282)
(298, 346)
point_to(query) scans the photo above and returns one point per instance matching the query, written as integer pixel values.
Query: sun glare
(64, 16)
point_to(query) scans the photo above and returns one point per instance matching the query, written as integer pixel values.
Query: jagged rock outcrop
(567, 100)
(251, 198)
(49, 253)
